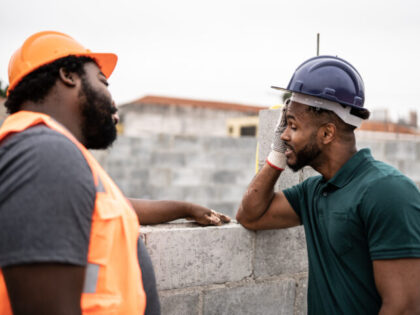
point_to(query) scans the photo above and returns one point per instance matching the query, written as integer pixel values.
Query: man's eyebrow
(290, 116)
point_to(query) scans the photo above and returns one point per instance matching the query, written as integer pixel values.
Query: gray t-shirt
(47, 197)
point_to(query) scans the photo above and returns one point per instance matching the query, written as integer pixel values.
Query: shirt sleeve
(299, 195)
(294, 196)
(47, 197)
(391, 212)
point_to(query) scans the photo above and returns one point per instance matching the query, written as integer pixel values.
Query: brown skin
(56, 289)
(397, 280)
(159, 211)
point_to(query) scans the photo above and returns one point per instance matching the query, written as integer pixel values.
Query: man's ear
(67, 77)
(327, 133)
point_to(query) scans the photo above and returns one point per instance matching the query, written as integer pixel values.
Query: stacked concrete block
(212, 171)
(400, 151)
(227, 269)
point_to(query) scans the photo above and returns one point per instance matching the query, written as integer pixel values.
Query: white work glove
(276, 158)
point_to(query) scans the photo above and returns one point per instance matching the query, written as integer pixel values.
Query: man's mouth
(288, 151)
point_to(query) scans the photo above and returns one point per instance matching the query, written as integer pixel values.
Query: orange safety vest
(113, 283)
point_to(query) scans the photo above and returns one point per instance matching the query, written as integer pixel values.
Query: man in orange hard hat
(68, 236)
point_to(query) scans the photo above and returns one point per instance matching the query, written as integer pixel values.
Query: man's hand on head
(276, 158)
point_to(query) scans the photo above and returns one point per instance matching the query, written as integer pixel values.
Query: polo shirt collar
(346, 172)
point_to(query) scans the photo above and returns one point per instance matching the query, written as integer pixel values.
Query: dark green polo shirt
(367, 211)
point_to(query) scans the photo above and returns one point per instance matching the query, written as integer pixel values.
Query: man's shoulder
(38, 142)
(379, 173)
(35, 135)
(381, 180)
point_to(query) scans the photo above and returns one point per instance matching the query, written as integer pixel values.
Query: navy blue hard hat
(330, 78)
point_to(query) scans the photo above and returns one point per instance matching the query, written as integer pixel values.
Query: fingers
(213, 218)
(222, 217)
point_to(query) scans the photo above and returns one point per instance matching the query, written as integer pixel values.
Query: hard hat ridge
(329, 78)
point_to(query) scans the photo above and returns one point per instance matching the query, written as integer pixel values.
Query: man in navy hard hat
(361, 216)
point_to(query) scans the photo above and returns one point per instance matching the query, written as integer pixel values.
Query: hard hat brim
(290, 91)
(106, 62)
(280, 88)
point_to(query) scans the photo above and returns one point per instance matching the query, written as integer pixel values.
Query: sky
(232, 50)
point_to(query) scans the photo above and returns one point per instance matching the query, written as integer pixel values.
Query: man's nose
(285, 135)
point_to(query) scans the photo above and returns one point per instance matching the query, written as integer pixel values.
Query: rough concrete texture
(149, 118)
(186, 302)
(212, 171)
(280, 252)
(208, 256)
(227, 269)
(271, 297)
(301, 305)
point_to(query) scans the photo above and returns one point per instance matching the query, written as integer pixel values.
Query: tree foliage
(3, 90)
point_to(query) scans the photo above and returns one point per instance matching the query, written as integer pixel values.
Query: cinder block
(417, 150)
(267, 122)
(168, 159)
(202, 160)
(280, 252)
(229, 143)
(301, 301)
(199, 194)
(287, 179)
(228, 208)
(188, 255)
(167, 193)
(230, 192)
(180, 303)
(187, 176)
(160, 177)
(271, 297)
(400, 150)
(377, 148)
(411, 169)
(187, 143)
(224, 176)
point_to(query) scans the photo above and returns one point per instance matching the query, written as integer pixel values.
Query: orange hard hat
(45, 47)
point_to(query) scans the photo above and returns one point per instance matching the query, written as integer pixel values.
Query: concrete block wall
(212, 171)
(228, 269)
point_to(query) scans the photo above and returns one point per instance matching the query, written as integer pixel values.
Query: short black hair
(36, 85)
(324, 116)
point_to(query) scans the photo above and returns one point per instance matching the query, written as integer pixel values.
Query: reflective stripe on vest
(113, 282)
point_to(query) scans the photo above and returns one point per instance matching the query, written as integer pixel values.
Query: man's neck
(59, 113)
(334, 160)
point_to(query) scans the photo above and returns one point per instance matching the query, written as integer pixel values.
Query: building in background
(178, 116)
(381, 122)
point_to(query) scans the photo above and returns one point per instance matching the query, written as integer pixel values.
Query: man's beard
(98, 127)
(307, 155)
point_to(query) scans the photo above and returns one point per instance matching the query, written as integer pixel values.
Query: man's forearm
(259, 194)
(160, 211)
